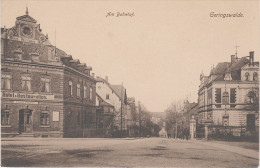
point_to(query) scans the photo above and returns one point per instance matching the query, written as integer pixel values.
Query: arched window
(255, 76)
(247, 76)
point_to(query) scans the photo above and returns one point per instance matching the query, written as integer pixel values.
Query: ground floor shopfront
(46, 119)
(32, 117)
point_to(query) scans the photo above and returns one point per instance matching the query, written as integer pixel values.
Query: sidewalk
(228, 146)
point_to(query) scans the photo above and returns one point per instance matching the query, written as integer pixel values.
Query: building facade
(45, 92)
(113, 95)
(227, 96)
(104, 117)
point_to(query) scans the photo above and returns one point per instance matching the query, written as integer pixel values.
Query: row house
(227, 96)
(45, 92)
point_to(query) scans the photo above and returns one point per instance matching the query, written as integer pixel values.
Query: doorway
(25, 121)
(250, 122)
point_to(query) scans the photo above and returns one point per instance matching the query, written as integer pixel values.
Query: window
(44, 118)
(255, 76)
(69, 115)
(6, 82)
(78, 90)
(85, 92)
(90, 93)
(45, 85)
(247, 76)
(107, 96)
(218, 95)
(26, 83)
(232, 95)
(225, 98)
(5, 118)
(78, 118)
(210, 96)
(70, 88)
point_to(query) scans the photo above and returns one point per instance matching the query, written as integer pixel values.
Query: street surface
(130, 152)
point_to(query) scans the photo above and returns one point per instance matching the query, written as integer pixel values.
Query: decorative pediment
(247, 66)
(26, 18)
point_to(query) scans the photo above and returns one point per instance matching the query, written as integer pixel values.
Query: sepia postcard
(142, 83)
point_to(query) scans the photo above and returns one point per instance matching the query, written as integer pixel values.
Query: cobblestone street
(152, 152)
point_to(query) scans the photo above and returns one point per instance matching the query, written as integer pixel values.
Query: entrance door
(250, 122)
(21, 121)
(25, 123)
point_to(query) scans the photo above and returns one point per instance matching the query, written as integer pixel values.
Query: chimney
(233, 59)
(251, 57)
(106, 78)
(93, 75)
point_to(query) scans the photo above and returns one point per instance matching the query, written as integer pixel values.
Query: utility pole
(121, 110)
(140, 118)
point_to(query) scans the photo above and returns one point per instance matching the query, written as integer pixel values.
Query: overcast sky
(159, 53)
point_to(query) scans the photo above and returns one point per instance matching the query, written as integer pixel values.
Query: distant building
(157, 117)
(189, 110)
(163, 133)
(131, 117)
(229, 94)
(45, 92)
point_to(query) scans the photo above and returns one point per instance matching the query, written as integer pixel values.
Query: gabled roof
(99, 79)
(227, 67)
(103, 102)
(234, 69)
(120, 91)
(26, 18)
(220, 68)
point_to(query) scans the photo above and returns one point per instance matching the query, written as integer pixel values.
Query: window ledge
(6, 126)
(45, 126)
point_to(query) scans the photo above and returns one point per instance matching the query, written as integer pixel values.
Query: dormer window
(228, 77)
(35, 57)
(18, 54)
(255, 76)
(247, 76)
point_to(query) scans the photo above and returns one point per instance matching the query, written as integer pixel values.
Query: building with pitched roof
(226, 95)
(45, 92)
(115, 95)
(104, 117)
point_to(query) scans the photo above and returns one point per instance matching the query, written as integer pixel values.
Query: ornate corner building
(45, 92)
(229, 96)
